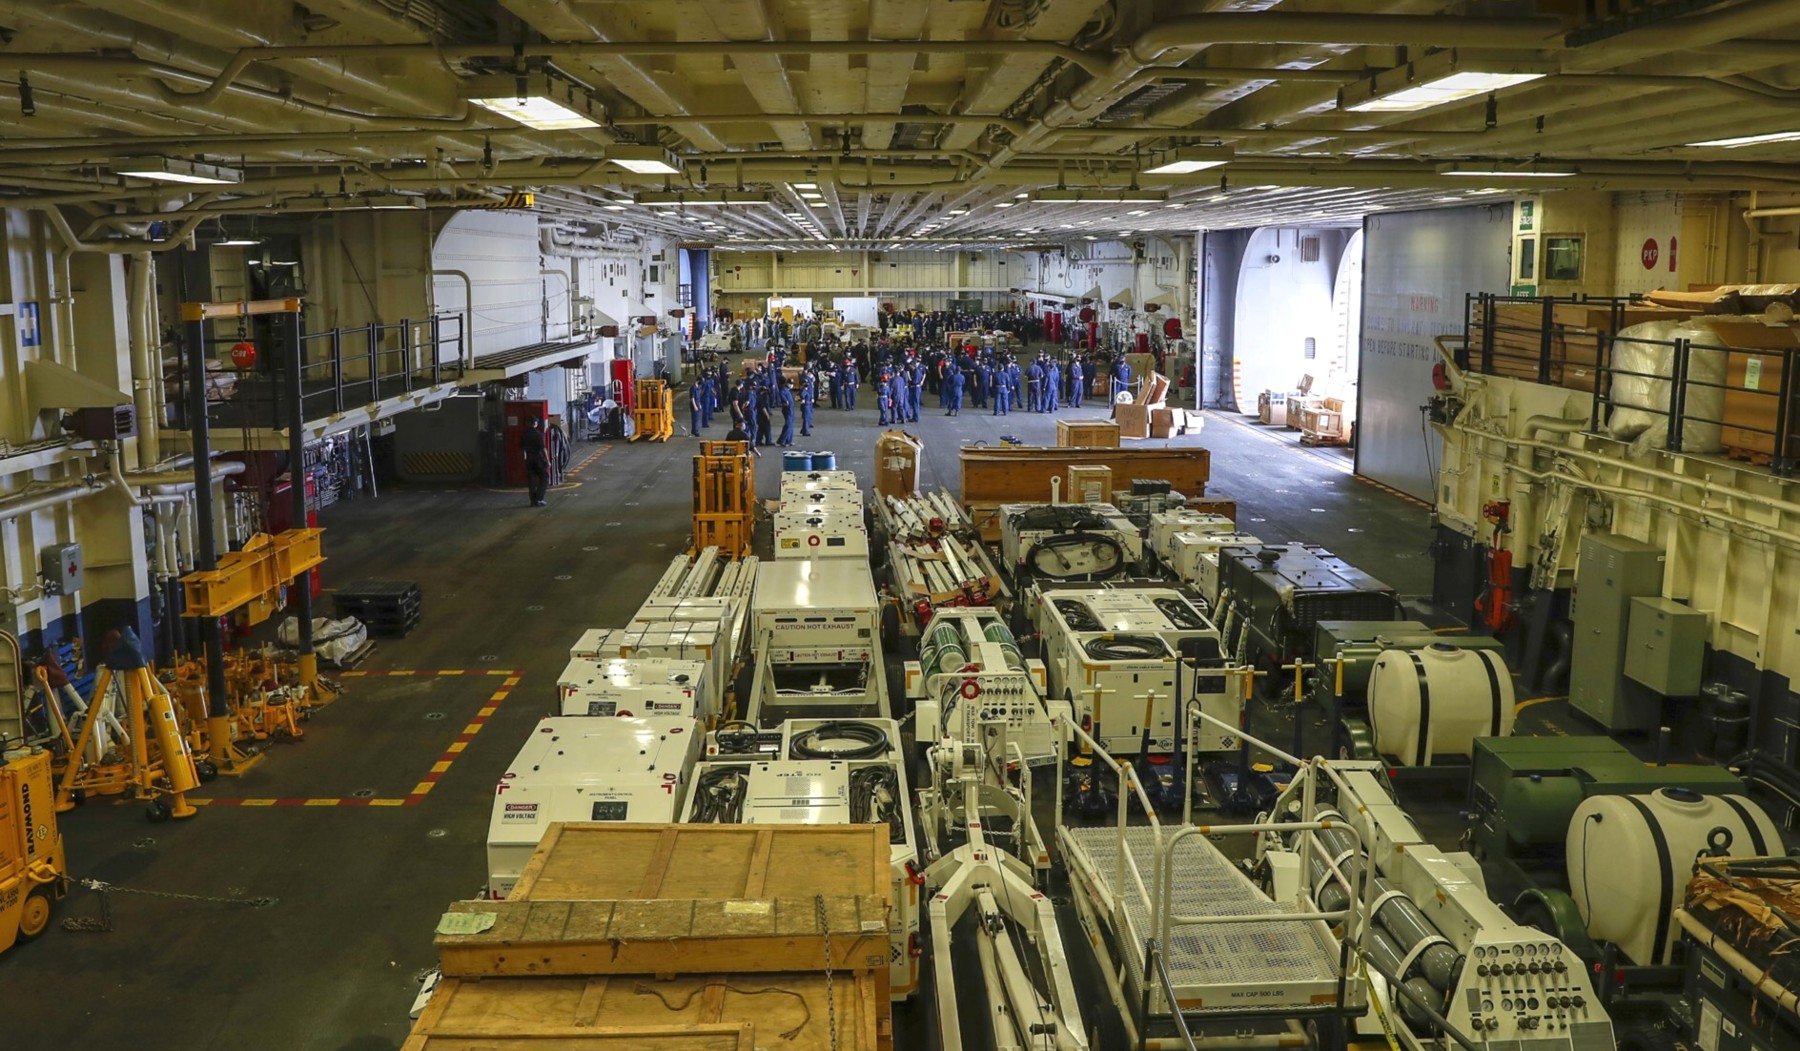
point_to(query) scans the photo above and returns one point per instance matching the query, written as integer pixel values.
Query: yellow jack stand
(165, 779)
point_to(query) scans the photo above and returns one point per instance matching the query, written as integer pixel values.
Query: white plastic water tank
(1437, 700)
(1629, 859)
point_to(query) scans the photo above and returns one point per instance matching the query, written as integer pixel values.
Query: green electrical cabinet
(1613, 570)
(1666, 646)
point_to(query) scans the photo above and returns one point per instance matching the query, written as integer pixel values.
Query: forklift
(33, 873)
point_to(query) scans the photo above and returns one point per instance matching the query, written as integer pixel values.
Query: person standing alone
(537, 462)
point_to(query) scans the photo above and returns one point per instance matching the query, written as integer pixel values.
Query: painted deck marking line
(432, 776)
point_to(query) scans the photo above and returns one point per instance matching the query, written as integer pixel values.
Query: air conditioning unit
(105, 423)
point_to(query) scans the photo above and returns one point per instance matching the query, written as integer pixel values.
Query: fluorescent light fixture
(1498, 170)
(530, 100)
(818, 204)
(174, 169)
(812, 195)
(644, 160)
(957, 211)
(1004, 204)
(1434, 80)
(1139, 211)
(1186, 160)
(1098, 196)
(1175, 205)
(804, 185)
(238, 242)
(1751, 140)
(613, 207)
(712, 199)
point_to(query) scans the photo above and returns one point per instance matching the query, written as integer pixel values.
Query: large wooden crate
(634, 1013)
(684, 899)
(1087, 434)
(1006, 474)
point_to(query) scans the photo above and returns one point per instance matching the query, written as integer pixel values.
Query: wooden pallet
(718, 1012)
(683, 899)
(1756, 457)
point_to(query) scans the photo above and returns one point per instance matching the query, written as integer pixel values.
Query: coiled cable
(1126, 648)
(1079, 616)
(868, 741)
(1048, 560)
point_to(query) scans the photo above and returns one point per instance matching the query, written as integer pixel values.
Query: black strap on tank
(1487, 663)
(1665, 903)
(1422, 755)
(1756, 836)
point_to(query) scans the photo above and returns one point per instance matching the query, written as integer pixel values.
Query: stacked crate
(386, 607)
(726, 937)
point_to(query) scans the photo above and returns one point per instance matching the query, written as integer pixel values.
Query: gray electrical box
(62, 568)
(1613, 570)
(1666, 646)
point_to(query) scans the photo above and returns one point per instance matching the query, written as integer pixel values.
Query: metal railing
(1157, 902)
(340, 369)
(1696, 397)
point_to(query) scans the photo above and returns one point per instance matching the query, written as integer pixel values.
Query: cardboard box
(1162, 423)
(1299, 405)
(1087, 434)
(1133, 420)
(897, 456)
(1089, 484)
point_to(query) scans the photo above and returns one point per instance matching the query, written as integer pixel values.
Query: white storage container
(1435, 701)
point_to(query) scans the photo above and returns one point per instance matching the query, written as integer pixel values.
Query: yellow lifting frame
(250, 579)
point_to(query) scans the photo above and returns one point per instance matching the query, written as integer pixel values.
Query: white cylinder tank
(1437, 700)
(1642, 850)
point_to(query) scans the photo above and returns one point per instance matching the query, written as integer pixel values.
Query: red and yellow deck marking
(583, 465)
(509, 680)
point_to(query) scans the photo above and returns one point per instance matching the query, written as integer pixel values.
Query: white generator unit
(816, 630)
(1430, 704)
(704, 641)
(824, 501)
(831, 772)
(971, 672)
(820, 535)
(620, 687)
(581, 769)
(1068, 541)
(1193, 559)
(1111, 653)
(1165, 526)
(794, 483)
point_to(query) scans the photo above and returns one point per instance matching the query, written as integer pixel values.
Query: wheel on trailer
(1353, 740)
(34, 920)
(1327, 1034)
(890, 629)
(158, 812)
(898, 704)
(206, 770)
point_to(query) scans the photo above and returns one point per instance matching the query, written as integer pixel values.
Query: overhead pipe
(1751, 19)
(34, 499)
(122, 247)
(146, 383)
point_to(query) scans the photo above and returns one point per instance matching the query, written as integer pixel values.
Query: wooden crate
(1011, 474)
(1089, 484)
(684, 899)
(1217, 505)
(716, 1012)
(1087, 434)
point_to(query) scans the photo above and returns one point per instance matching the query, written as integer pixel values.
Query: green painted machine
(1345, 652)
(1524, 790)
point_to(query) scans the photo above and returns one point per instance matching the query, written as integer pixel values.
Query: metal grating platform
(1267, 967)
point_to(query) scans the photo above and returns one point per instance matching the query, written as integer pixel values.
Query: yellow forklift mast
(33, 874)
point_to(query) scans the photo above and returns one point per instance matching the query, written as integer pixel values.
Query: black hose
(807, 745)
(875, 798)
(1126, 648)
(736, 737)
(1058, 517)
(1180, 614)
(720, 791)
(1079, 616)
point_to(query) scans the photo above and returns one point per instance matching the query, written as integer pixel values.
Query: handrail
(1127, 777)
(1169, 921)
(1153, 961)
